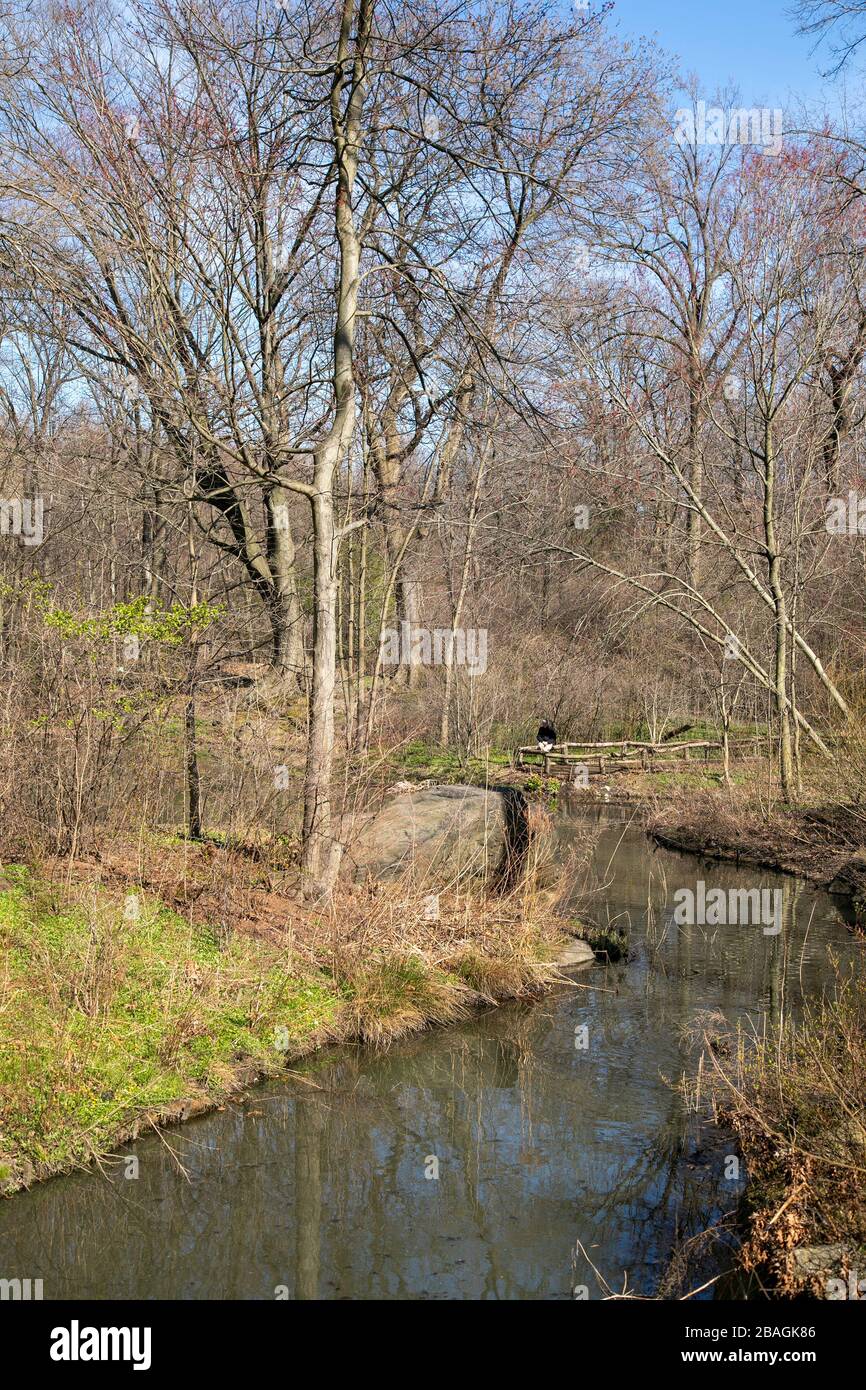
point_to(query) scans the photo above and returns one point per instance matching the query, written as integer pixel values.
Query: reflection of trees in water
(310, 1124)
(749, 968)
(433, 1099)
(635, 1199)
(661, 1206)
(101, 1234)
(453, 1090)
(324, 1189)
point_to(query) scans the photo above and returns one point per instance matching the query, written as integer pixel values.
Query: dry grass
(813, 842)
(795, 1096)
(394, 996)
(403, 971)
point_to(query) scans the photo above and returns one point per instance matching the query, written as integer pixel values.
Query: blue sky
(751, 43)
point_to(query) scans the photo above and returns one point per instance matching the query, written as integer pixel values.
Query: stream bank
(567, 1161)
(825, 845)
(122, 1014)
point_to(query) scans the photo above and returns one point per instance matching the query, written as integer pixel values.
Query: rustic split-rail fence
(597, 760)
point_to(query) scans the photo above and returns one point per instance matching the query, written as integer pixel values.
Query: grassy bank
(118, 1011)
(795, 1096)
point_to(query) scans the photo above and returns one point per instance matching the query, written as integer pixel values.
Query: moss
(609, 943)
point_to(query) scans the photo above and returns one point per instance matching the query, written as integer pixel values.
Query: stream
(538, 1151)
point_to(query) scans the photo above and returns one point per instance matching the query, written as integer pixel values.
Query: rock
(14, 1176)
(818, 1259)
(577, 952)
(851, 881)
(441, 834)
(852, 1133)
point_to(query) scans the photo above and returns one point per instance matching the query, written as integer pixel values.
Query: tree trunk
(193, 784)
(696, 475)
(320, 744)
(286, 618)
(409, 610)
(320, 859)
(471, 526)
(780, 670)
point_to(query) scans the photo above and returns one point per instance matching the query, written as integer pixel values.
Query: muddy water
(500, 1159)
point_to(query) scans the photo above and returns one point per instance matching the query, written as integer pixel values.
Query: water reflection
(554, 1160)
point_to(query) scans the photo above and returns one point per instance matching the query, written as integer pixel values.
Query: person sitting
(546, 737)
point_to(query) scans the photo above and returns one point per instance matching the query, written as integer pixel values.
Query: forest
(377, 383)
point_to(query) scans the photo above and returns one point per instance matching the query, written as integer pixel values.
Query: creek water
(539, 1151)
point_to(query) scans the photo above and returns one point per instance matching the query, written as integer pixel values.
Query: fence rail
(623, 754)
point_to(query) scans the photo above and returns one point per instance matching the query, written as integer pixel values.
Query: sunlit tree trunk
(320, 857)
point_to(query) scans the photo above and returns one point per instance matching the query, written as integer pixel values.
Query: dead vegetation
(814, 841)
(794, 1095)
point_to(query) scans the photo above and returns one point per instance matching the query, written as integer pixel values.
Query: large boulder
(441, 834)
(850, 881)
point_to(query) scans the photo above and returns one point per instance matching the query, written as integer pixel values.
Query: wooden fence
(626, 755)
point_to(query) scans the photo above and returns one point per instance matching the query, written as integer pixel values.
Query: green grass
(545, 790)
(444, 763)
(109, 1015)
(103, 1018)
(701, 730)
